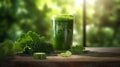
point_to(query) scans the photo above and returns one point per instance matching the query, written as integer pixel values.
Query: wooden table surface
(80, 58)
(73, 58)
(72, 61)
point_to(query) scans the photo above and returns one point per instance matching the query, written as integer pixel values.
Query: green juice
(63, 32)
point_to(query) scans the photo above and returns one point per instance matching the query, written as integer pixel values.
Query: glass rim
(63, 17)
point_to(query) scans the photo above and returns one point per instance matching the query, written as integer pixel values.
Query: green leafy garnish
(66, 54)
(77, 49)
(6, 49)
(32, 42)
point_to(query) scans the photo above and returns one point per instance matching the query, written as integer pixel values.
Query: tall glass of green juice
(63, 31)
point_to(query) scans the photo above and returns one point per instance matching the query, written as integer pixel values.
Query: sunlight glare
(91, 2)
(79, 3)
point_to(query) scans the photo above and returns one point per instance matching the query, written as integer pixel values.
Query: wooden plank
(73, 58)
(104, 49)
(72, 61)
(80, 58)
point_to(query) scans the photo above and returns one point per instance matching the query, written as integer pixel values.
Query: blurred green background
(21, 16)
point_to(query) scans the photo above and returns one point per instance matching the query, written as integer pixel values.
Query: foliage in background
(31, 42)
(104, 26)
(20, 16)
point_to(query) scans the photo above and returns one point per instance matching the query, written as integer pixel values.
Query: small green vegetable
(66, 54)
(39, 55)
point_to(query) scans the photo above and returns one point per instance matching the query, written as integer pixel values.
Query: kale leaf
(32, 42)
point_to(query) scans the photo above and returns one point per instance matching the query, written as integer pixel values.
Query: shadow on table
(100, 54)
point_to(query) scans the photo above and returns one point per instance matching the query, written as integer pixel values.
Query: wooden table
(58, 61)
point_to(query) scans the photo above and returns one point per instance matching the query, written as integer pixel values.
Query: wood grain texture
(58, 61)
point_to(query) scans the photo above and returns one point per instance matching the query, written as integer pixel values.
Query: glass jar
(63, 31)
